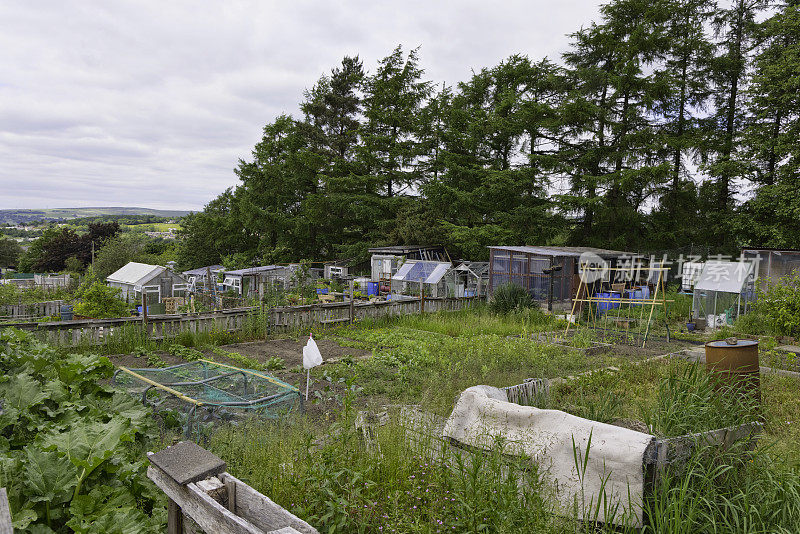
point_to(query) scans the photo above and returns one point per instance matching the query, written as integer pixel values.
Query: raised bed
(585, 462)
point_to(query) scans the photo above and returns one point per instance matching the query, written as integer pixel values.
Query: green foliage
(10, 251)
(510, 297)
(101, 301)
(187, 353)
(11, 294)
(778, 307)
(72, 450)
(274, 363)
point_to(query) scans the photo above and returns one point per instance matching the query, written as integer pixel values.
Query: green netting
(206, 391)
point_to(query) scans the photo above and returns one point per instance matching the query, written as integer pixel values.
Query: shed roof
(133, 273)
(253, 270)
(430, 272)
(478, 268)
(564, 251)
(203, 270)
(404, 249)
(724, 276)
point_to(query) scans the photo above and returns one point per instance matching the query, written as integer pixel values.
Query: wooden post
(352, 304)
(174, 518)
(5, 514)
(421, 297)
(144, 309)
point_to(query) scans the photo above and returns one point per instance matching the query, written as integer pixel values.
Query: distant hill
(61, 214)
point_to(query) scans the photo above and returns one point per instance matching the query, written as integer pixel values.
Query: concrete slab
(789, 348)
(187, 462)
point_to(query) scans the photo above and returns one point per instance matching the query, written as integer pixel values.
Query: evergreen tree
(772, 148)
(394, 96)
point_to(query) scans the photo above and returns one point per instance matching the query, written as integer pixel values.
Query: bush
(510, 297)
(101, 302)
(779, 306)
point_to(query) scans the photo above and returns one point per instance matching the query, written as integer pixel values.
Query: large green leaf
(22, 518)
(89, 443)
(49, 476)
(22, 392)
(107, 509)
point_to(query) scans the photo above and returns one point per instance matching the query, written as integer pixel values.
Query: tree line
(666, 123)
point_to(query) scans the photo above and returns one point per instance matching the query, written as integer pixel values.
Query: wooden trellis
(658, 298)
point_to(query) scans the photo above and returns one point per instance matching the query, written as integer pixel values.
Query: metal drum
(736, 363)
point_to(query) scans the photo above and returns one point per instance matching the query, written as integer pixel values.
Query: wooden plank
(261, 511)
(205, 511)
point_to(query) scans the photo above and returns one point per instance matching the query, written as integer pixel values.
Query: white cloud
(152, 103)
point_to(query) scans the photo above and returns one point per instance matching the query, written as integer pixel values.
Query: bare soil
(291, 351)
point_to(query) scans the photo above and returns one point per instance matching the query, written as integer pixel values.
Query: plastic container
(322, 291)
(372, 289)
(67, 313)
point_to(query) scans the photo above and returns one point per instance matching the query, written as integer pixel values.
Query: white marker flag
(311, 354)
(311, 358)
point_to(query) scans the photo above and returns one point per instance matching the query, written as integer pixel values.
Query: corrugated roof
(203, 270)
(133, 273)
(254, 270)
(564, 251)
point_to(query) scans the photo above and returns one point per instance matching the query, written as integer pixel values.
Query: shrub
(780, 305)
(510, 297)
(101, 302)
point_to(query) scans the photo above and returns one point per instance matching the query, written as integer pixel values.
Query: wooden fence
(32, 310)
(98, 331)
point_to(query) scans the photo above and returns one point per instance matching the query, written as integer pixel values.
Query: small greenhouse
(723, 291)
(468, 279)
(431, 273)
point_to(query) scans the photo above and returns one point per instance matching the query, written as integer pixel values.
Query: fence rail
(98, 331)
(34, 309)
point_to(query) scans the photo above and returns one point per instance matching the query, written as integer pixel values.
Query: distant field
(21, 216)
(156, 227)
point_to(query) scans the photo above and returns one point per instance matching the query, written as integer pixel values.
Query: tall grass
(332, 481)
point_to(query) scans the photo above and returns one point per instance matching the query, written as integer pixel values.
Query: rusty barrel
(736, 363)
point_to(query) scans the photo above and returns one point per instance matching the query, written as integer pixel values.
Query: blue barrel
(645, 292)
(372, 289)
(614, 296)
(66, 312)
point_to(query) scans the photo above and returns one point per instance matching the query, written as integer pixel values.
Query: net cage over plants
(723, 291)
(195, 393)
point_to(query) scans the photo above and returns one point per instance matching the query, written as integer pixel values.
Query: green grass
(323, 472)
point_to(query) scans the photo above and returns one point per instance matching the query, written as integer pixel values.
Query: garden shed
(155, 281)
(772, 264)
(528, 266)
(723, 291)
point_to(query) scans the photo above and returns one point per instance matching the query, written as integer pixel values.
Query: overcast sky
(151, 104)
